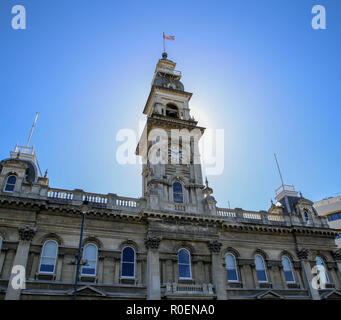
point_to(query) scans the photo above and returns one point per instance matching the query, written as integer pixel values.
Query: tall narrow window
(184, 261)
(48, 257)
(306, 217)
(260, 269)
(322, 270)
(231, 268)
(10, 183)
(0, 243)
(90, 255)
(289, 276)
(178, 195)
(128, 263)
(172, 111)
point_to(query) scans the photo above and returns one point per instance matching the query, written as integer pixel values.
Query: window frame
(11, 184)
(42, 256)
(265, 271)
(186, 264)
(1, 241)
(291, 270)
(235, 267)
(83, 258)
(134, 263)
(182, 193)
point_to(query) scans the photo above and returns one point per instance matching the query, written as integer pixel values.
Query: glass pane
(230, 262)
(261, 275)
(184, 271)
(259, 263)
(232, 275)
(46, 268)
(286, 264)
(9, 187)
(88, 271)
(289, 276)
(127, 269)
(183, 256)
(90, 252)
(50, 249)
(177, 187)
(178, 197)
(11, 179)
(128, 254)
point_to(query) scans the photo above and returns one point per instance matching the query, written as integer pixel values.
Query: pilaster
(153, 268)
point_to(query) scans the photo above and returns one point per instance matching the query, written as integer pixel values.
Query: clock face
(175, 154)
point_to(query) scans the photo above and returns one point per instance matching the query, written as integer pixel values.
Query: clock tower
(171, 169)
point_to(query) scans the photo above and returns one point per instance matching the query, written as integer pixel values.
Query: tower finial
(206, 181)
(164, 55)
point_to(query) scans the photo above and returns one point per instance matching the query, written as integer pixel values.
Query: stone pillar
(2, 258)
(100, 268)
(246, 273)
(307, 274)
(117, 275)
(153, 268)
(275, 272)
(337, 258)
(25, 237)
(35, 265)
(59, 266)
(218, 271)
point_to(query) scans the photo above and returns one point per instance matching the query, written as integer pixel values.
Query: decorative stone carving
(302, 253)
(26, 233)
(214, 246)
(152, 242)
(337, 255)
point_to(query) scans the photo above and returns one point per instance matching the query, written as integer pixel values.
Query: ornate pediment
(269, 294)
(88, 291)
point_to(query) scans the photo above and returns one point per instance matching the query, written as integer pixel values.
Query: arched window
(260, 268)
(289, 276)
(306, 217)
(128, 263)
(90, 255)
(231, 268)
(184, 261)
(178, 195)
(172, 111)
(48, 257)
(322, 270)
(10, 183)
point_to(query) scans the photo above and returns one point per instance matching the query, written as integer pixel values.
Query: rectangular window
(261, 275)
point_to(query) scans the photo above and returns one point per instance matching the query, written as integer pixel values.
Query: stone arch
(51, 236)
(184, 245)
(128, 243)
(94, 240)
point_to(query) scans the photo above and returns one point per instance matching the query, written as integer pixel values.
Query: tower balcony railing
(284, 187)
(169, 71)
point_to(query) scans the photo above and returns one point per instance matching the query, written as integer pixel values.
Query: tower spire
(32, 129)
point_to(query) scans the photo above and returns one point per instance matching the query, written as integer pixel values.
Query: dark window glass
(184, 262)
(10, 183)
(128, 262)
(232, 275)
(178, 196)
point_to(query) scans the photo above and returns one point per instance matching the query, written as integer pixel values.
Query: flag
(168, 37)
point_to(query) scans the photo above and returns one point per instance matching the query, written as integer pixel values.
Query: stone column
(218, 271)
(153, 268)
(246, 273)
(59, 266)
(307, 274)
(337, 258)
(117, 275)
(35, 265)
(2, 258)
(100, 268)
(26, 235)
(275, 272)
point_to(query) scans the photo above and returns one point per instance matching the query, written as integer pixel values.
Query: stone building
(331, 209)
(173, 242)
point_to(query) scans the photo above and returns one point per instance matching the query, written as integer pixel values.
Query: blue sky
(257, 69)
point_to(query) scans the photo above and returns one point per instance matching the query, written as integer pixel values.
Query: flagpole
(163, 37)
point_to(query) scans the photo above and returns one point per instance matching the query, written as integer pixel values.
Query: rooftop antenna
(279, 171)
(31, 132)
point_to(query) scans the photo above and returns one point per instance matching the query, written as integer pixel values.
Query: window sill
(234, 284)
(128, 280)
(88, 278)
(265, 284)
(45, 276)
